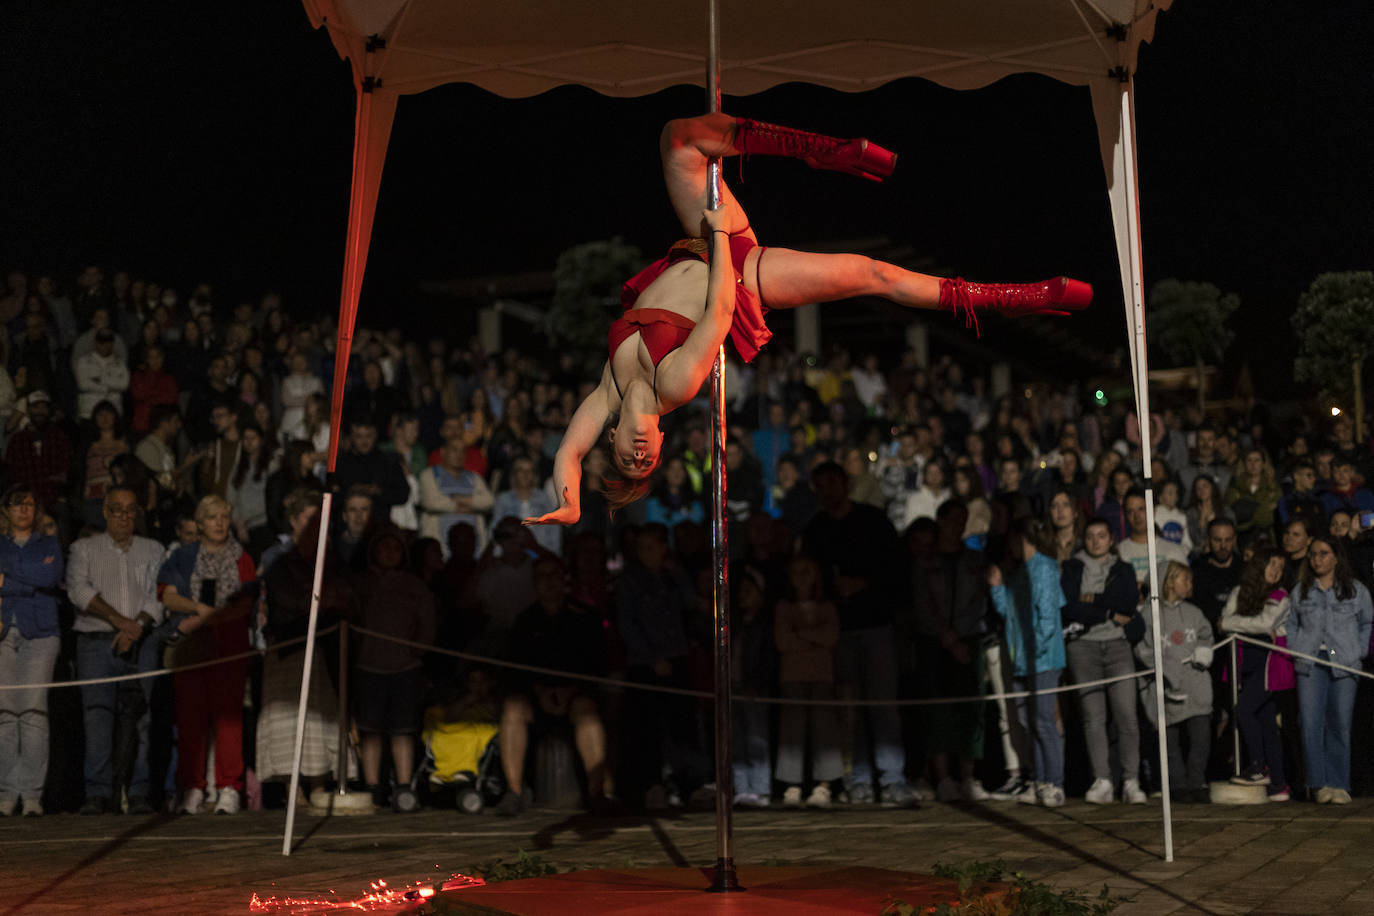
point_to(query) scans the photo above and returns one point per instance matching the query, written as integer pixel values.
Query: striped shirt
(126, 579)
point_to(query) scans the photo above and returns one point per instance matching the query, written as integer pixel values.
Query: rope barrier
(1303, 655)
(159, 672)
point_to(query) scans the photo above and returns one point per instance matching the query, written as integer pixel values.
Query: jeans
(1047, 764)
(1256, 715)
(1325, 706)
(1190, 771)
(1093, 660)
(24, 714)
(751, 765)
(824, 744)
(866, 667)
(113, 715)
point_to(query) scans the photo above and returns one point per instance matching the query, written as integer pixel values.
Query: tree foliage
(1335, 326)
(586, 296)
(1187, 320)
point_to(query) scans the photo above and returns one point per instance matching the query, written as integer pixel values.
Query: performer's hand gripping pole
(725, 878)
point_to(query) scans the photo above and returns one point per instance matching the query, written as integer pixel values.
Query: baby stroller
(464, 758)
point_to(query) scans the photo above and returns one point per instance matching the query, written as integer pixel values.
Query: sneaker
(9, 805)
(34, 808)
(923, 790)
(228, 801)
(1132, 794)
(861, 794)
(95, 806)
(792, 797)
(1324, 795)
(1340, 797)
(1100, 793)
(1009, 790)
(948, 791)
(1256, 775)
(512, 804)
(749, 800)
(703, 798)
(193, 802)
(1051, 796)
(899, 795)
(973, 791)
(819, 797)
(1281, 794)
(1029, 795)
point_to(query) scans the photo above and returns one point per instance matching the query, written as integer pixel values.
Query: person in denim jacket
(1331, 620)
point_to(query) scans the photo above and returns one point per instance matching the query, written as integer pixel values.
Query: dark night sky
(189, 141)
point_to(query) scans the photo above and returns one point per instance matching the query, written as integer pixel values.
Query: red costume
(663, 331)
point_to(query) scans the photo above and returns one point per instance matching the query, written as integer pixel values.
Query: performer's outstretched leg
(785, 278)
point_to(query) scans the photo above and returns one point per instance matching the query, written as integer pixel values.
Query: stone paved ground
(1277, 859)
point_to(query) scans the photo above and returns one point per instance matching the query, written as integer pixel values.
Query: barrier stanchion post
(1235, 699)
(341, 774)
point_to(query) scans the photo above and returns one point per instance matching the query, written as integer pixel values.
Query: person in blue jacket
(1030, 601)
(1331, 619)
(31, 570)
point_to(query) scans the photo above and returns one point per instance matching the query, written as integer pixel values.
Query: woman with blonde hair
(203, 582)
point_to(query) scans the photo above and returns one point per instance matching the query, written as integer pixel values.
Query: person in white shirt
(112, 582)
(101, 375)
(1136, 548)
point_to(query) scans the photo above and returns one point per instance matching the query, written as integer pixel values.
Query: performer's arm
(582, 433)
(688, 369)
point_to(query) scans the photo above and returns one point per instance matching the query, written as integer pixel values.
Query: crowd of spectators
(897, 531)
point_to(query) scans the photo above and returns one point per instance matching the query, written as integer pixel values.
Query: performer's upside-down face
(636, 450)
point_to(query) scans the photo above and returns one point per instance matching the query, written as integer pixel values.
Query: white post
(305, 677)
(1142, 395)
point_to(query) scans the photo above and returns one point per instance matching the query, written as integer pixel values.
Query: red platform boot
(1057, 296)
(856, 157)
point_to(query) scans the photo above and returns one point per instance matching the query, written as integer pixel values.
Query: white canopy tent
(518, 48)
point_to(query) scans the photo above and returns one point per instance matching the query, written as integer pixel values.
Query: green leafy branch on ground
(1024, 898)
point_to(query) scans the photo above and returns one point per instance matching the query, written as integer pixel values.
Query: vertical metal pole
(305, 675)
(1235, 698)
(725, 878)
(341, 774)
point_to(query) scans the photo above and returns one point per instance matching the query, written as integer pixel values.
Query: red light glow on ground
(379, 896)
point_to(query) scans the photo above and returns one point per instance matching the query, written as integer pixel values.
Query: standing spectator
(204, 581)
(296, 390)
(793, 499)
(1171, 521)
(1030, 604)
(863, 486)
(395, 602)
(101, 375)
(1136, 548)
(1297, 539)
(772, 442)
(652, 599)
(1204, 506)
(36, 354)
(357, 528)
(1254, 494)
(221, 456)
(1100, 597)
(150, 386)
(1259, 608)
(90, 339)
(525, 500)
(112, 583)
(671, 500)
(1065, 526)
(1187, 654)
(247, 489)
(40, 455)
(107, 445)
(505, 583)
(31, 569)
(1303, 500)
(753, 673)
(1344, 492)
(860, 559)
(1331, 620)
(450, 494)
(933, 492)
(805, 628)
(157, 453)
(371, 470)
(313, 424)
(298, 467)
(1206, 461)
(1216, 571)
(405, 445)
(373, 398)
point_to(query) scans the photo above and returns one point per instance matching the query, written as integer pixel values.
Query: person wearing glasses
(31, 565)
(112, 583)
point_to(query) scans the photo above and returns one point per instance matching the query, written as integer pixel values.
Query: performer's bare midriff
(634, 393)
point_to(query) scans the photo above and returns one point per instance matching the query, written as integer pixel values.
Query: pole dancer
(720, 282)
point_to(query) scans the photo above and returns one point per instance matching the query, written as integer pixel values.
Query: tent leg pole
(305, 676)
(724, 879)
(1235, 699)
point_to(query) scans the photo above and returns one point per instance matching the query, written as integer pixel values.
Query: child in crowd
(1187, 651)
(806, 628)
(1170, 521)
